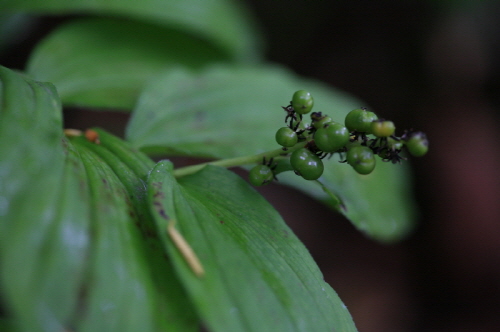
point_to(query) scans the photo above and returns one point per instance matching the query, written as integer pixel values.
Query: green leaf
(258, 275)
(379, 204)
(43, 216)
(223, 112)
(223, 23)
(104, 62)
(228, 112)
(121, 292)
(71, 253)
(124, 259)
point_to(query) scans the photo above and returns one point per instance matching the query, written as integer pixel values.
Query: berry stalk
(238, 161)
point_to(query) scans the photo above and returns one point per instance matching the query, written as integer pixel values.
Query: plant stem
(238, 161)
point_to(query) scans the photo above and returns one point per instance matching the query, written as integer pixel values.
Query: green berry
(319, 120)
(286, 137)
(303, 125)
(332, 137)
(306, 164)
(361, 158)
(260, 175)
(382, 128)
(360, 120)
(394, 144)
(302, 102)
(384, 153)
(417, 144)
(388, 149)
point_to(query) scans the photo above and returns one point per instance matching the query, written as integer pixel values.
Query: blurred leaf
(228, 112)
(258, 275)
(104, 62)
(379, 204)
(70, 251)
(224, 23)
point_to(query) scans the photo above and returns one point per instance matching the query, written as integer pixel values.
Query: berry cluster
(361, 138)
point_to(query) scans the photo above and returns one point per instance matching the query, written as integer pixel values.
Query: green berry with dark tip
(417, 144)
(260, 175)
(303, 125)
(306, 164)
(331, 137)
(394, 144)
(361, 158)
(286, 137)
(382, 128)
(302, 102)
(319, 120)
(360, 120)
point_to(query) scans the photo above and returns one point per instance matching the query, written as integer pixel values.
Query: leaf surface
(229, 112)
(258, 275)
(121, 293)
(104, 62)
(224, 23)
(43, 216)
(71, 253)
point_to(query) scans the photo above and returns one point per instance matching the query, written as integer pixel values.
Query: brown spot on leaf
(159, 208)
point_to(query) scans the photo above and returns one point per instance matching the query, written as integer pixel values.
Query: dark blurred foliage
(432, 65)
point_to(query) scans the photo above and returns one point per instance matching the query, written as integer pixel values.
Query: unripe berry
(360, 120)
(319, 120)
(306, 164)
(303, 125)
(302, 102)
(382, 128)
(417, 144)
(332, 137)
(361, 158)
(394, 144)
(260, 175)
(286, 137)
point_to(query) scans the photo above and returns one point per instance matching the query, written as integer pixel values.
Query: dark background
(431, 65)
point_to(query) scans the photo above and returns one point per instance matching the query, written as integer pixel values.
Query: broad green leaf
(224, 23)
(229, 112)
(258, 275)
(43, 216)
(104, 62)
(131, 167)
(120, 289)
(71, 254)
